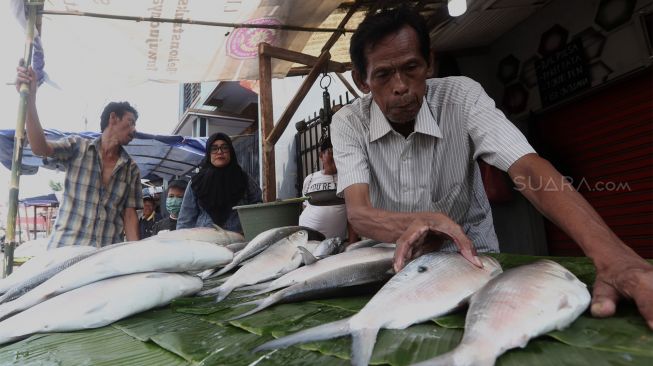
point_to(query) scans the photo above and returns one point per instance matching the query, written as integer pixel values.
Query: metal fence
(308, 138)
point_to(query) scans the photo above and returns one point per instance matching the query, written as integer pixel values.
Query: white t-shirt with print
(329, 220)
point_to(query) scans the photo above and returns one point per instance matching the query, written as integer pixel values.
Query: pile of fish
(506, 309)
(76, 288)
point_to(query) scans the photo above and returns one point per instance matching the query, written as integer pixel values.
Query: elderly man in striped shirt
(406, 155)
(102, 190)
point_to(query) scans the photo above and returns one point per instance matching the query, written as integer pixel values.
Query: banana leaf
(99, 347)
(196, 331)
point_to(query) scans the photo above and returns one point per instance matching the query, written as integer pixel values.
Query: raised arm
(620, 271)
(35, 134)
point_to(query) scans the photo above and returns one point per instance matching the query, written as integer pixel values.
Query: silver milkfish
(99, 304)
(142, 256)
(216, 235)
(338, 279)
(431, 285)
(39, 277)
(323, 266)
(47, 259)
(327, 247)
(522, 303)
(259, 243)
(271, 263)
(365, 243)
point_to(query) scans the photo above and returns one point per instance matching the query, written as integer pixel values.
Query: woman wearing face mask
(173, 201)
(220, 185)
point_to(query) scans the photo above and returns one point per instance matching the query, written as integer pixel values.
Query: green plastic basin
(259, 217)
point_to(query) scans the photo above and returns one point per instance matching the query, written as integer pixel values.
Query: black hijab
(218, 190)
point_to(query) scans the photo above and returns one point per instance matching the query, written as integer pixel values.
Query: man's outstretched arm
(620, 271)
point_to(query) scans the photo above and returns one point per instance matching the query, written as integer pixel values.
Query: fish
(141, 256)
(39, 277)
(361, 244)
(99, 304)
(258, 244)
(215, 235)
(520, 304)
(325, 284)
(271, 263)
(327, 247)
(47, 259)
(429, 286)
(326, 265)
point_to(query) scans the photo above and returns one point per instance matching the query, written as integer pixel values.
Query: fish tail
(363, 341)
(223, 292)
(319, 333)
(224, 270)
(260, 305)
(206, 274)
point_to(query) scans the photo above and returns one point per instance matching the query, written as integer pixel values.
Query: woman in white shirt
(324, 211)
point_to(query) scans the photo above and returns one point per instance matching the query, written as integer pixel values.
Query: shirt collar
(425, 123)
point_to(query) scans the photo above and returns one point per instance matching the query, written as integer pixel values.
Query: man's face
(175, 192)
(148, 208)
(396, 75)
(125, 127)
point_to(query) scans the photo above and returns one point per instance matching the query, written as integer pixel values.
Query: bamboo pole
(197, 22)
(19, 138)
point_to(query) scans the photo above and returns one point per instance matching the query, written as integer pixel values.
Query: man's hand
(427, 234)
(27, 76)
(631, 278)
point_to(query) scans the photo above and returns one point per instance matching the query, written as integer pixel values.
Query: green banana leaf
(197, 331)
(99, 347)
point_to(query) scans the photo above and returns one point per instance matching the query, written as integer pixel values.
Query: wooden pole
(290, 110)
(347, 85)
(267, 123)
(196, 22)
(19, 138)
(269, 130)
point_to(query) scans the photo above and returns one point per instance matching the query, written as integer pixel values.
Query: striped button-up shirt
(435, 168)
(92, 214)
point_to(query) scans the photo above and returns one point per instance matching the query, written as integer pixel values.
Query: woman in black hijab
(220, 185)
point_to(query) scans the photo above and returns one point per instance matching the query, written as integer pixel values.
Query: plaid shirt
(90, 213)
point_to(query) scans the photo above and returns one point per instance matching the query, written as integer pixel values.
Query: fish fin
(223, 292)
(363, 341)
(319, 333)
(218, 228)
(307, 256)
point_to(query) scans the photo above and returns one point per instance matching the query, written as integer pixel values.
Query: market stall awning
(161, 155)
(48, 200)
